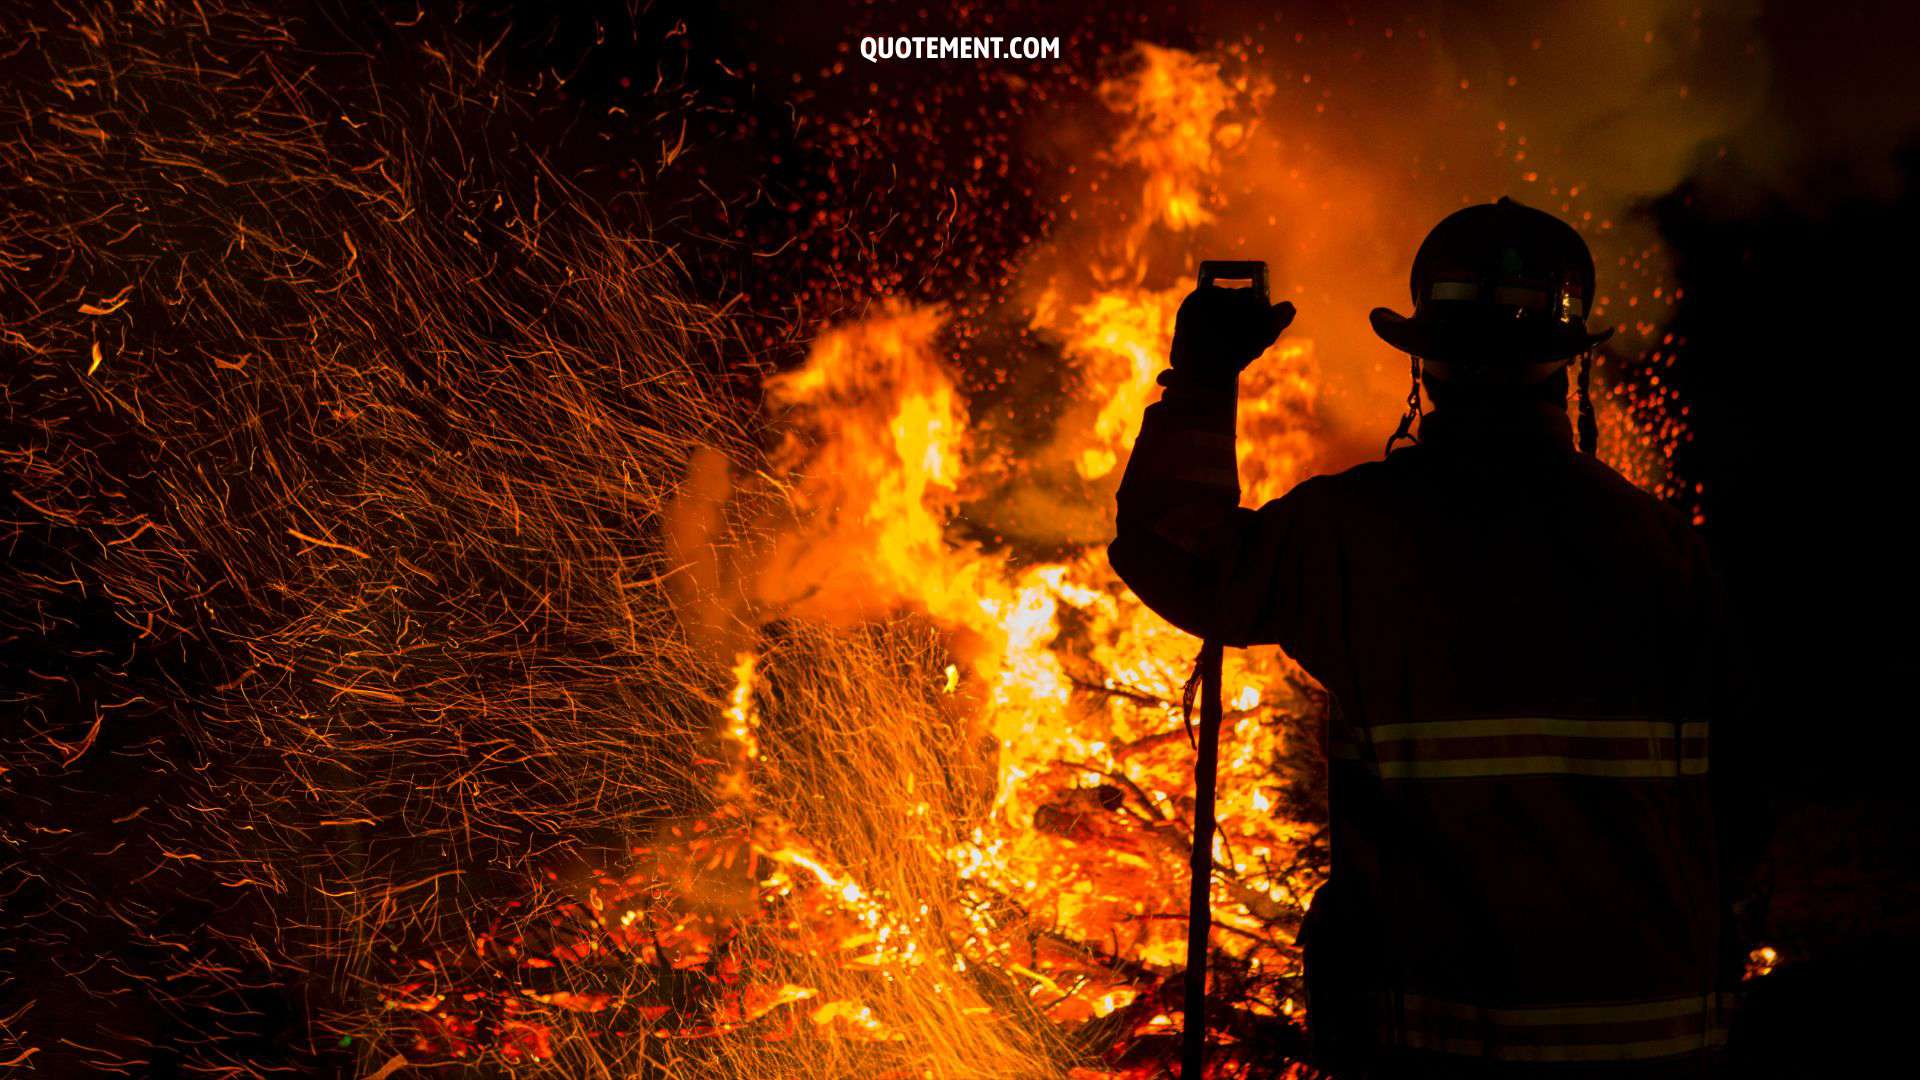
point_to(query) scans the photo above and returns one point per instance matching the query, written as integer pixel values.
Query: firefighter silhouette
(1528, 666)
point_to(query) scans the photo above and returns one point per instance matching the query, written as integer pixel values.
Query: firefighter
(1528, 667)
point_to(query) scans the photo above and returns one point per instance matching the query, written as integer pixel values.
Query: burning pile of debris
(950, 787)
(454, 645)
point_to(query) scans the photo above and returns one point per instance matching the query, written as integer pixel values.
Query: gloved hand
(1220, 331)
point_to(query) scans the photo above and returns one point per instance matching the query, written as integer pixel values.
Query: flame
(952, 766)
(1173, 103)
(557, 725)
(1074, 681)
(886, 894)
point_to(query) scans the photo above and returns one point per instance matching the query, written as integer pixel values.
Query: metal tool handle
(1193, 1051)
(1214, 273)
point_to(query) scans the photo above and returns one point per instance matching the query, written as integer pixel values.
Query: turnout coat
(1528, 665)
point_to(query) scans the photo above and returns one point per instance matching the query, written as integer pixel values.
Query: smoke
(1842, 104)
(363, 498)
(1337, 141)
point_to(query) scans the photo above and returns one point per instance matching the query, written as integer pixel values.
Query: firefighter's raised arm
(1179, 526)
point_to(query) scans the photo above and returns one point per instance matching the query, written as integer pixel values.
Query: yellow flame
(878, 457)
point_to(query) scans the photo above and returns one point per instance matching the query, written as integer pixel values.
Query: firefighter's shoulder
(1606, 483)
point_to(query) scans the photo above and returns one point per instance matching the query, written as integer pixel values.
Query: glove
(1219, 332)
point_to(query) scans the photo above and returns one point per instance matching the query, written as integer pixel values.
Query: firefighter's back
(1522, 828)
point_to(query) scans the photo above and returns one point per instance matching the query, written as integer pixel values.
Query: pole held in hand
(1193, 1055)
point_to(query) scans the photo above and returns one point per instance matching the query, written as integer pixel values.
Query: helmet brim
(1424, 338)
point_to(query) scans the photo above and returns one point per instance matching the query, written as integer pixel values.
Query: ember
(531, 690)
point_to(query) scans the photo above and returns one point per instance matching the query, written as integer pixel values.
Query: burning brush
(439, 641)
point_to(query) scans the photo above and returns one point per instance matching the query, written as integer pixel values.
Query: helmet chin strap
(1589, 426)
(1405, 430)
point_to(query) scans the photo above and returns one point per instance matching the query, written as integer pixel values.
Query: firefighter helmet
(1499, 290)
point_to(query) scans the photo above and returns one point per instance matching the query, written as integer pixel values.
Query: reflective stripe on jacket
(1526, 660)
(1536, 746)
(1632, 1031)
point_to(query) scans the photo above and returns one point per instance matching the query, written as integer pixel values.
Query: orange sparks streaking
(520, 664)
